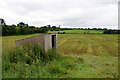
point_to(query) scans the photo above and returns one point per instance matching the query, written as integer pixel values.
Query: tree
(31, 27)
(26, 25)
(21, 24)
(104, 28)
(49, 27)
(54, 27)
(17, 29)
(2, 22)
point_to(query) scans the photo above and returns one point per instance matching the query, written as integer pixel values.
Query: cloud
(75, 13)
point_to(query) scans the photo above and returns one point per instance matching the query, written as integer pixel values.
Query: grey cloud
(61, 12)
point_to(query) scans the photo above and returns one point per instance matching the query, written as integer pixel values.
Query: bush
(59, 33)
(29, 54)
(111, 32)
(63, 32)
(52, 54)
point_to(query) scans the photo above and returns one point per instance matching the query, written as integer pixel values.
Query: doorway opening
(53, 40)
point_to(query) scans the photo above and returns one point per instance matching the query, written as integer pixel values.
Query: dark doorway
(53, 40)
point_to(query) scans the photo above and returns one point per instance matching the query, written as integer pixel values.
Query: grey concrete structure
(47, 41)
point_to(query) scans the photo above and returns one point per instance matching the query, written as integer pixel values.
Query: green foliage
(31, 53)
(61, 32)
(52, 54)
(31, 61)
(111, 32)
(21, 29)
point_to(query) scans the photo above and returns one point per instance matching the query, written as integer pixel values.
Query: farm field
(77, 44)
(79, 31)
(95, 44)
(98, 51)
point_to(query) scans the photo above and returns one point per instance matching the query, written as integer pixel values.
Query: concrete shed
(47, 41)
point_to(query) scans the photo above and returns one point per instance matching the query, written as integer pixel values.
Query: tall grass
(31, 61)
(31, 53)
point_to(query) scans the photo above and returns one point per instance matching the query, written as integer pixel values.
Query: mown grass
(95, 44)
(32, 61)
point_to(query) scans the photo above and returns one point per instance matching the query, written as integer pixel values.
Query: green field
(99, 52)
(96, 44)
(79, 31)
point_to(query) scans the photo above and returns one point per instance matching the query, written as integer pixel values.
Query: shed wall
(48, 44)
(35, 40)
(44, 40)
(57, 41)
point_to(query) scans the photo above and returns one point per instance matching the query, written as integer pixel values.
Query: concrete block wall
(44, 40)
(35, 40)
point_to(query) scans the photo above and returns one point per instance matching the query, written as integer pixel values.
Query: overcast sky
(71, 13)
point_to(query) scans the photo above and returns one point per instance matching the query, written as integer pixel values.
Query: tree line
(23, 29)
(111, 32)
